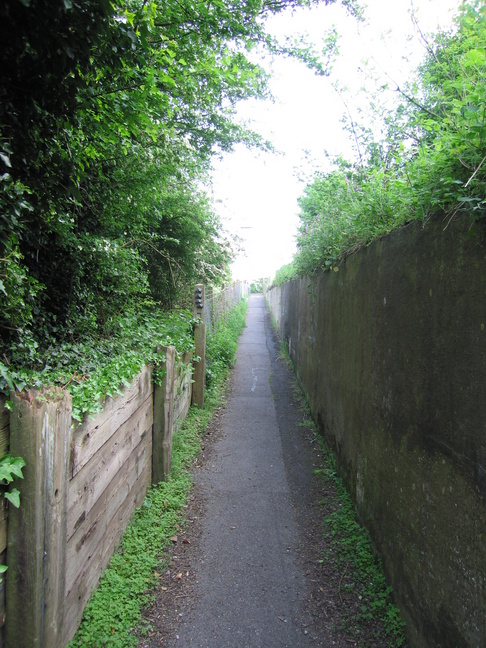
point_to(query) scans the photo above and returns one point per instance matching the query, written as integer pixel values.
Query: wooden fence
(82, 483)
(4, 444)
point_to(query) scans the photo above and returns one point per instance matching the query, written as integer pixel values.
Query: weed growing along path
(113, 616)
(253, 566)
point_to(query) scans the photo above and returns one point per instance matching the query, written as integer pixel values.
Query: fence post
(163, 427)
(199, 375)
(40, 432)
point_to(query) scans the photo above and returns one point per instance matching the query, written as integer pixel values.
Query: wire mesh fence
(220, 301)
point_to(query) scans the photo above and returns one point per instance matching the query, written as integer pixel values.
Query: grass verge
(114, 611)
(351, 546)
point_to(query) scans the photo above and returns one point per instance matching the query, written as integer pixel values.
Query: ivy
(11, 468)
(93, 369)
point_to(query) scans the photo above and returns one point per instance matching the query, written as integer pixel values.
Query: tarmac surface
(250, 586)
(249, 572)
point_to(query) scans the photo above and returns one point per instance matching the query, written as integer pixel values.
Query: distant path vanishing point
(257, 580)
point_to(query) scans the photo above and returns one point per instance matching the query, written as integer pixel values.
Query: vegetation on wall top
(431, 158)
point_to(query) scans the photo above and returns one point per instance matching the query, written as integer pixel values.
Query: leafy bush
(285, 273)
(257, 286)
(110, 115)
(93, 369)
(432, 158)
(221, 345)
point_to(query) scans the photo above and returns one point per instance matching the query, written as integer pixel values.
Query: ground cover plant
(92, 369)
(431, 158)
(352, 546)
(114, 612)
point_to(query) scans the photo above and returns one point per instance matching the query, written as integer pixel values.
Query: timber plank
(89, 537)
(182, 399)
(88, 485)
(182, 389)
(3, 525)
(3, 561)
(91, 434)
(80, 590)
(4, 427)
(41, 434)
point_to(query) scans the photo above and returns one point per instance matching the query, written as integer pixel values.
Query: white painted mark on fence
(255, 380)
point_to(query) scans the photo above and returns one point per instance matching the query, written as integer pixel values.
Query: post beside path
(40, 433)
(200, 347)
(163, 427)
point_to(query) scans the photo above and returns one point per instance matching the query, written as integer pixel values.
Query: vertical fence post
(40, 432)
(163, 427)
(199, 375)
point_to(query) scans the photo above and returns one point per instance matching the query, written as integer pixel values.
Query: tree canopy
(110, 114)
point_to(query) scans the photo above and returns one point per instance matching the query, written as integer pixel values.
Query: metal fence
(220, 301)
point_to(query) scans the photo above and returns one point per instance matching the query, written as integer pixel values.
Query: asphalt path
(252, 584)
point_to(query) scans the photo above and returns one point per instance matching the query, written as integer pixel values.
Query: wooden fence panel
(91, 435)
(104, 534)
(107, 473)
(111, 473)
(89, 484)
(4, 446)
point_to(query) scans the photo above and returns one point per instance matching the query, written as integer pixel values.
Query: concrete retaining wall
(391, 352)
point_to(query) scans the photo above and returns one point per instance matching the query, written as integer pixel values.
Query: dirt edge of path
(331, 604)
(328, 603)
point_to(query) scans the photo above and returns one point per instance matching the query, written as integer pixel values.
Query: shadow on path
(255, 577)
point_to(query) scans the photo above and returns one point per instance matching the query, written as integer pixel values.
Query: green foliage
(221, 345)
(431, 158)
(113, 614)
(285, 273)
(10, 469)
(353, 549)
(256, 286)
(110, 114)
(93, 369)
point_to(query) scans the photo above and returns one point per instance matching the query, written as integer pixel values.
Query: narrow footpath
(249, 572)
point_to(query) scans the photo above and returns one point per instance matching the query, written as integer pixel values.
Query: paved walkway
(251, 583)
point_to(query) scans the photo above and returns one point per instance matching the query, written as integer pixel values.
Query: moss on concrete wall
(391, 351)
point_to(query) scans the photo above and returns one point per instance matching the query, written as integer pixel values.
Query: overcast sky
(257, 193)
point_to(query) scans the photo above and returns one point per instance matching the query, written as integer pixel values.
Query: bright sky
(257, 193)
